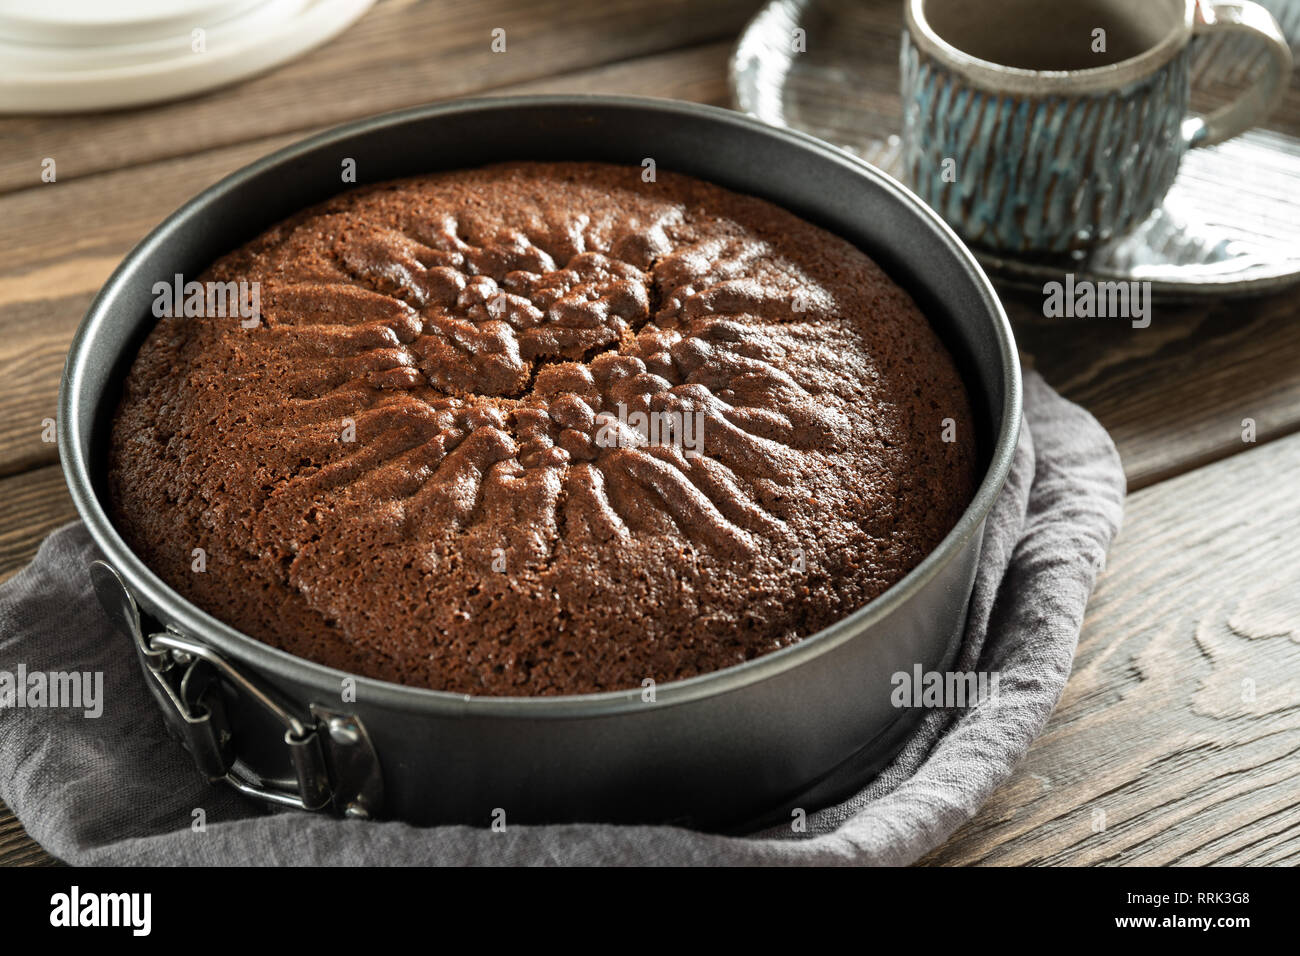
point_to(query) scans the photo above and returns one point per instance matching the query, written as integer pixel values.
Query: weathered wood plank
(32, 505)
(1175, 395)
(1178, 736)
(16, 847)
(399, 54)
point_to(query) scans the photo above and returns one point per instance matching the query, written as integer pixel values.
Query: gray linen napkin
(117, 790)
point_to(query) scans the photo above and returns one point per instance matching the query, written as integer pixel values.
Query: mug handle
(1254, 105)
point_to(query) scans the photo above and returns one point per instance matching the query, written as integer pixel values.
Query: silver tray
(1230, 224)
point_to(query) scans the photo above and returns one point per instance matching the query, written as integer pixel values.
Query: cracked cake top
(542, 428)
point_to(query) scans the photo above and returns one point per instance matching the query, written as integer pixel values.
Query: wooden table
(1202, 589)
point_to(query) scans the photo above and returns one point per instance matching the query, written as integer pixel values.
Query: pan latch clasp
(334, 764)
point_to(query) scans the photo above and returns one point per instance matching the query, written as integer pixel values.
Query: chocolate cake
(541, 428)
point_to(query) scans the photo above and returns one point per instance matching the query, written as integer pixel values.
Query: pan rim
(150, 591)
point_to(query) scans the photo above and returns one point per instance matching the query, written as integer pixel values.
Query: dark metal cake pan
(797, 728)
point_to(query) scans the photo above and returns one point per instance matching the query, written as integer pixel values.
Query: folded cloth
(116, 789)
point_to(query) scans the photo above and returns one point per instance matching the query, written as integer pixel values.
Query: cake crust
(425, 463)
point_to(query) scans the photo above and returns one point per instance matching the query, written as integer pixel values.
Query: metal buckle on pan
(335, 765)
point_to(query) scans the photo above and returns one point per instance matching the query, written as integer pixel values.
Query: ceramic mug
(1049, 126)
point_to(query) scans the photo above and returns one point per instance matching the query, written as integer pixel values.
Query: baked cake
(542, 428)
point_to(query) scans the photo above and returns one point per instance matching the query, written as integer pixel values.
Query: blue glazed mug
(1049, 126)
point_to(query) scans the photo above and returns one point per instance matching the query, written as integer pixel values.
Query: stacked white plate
(75, 55)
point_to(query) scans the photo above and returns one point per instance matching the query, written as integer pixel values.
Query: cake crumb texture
(406, 471)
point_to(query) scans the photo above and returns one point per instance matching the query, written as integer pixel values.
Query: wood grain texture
(1178, 735)
(399, 54)
(1175, 395)
(32, 505)
(16, 847)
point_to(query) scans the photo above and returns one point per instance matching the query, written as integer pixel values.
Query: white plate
(99, 22)
(152, 58)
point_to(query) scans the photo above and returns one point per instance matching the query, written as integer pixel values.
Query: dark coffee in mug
(1052, 34)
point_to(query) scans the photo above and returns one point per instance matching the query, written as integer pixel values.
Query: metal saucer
(1230, 224)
